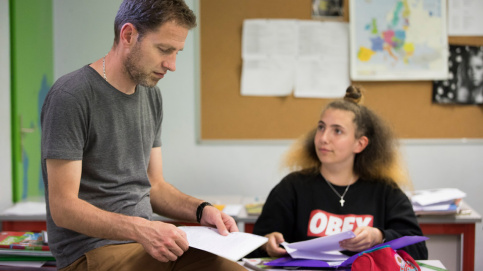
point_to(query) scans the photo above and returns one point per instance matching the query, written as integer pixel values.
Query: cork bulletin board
(226, 115)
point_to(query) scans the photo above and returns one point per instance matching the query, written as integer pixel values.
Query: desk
(30, 223)
(425, 266)
(461, 225)
(24, 216)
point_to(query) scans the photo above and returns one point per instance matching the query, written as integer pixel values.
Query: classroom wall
(83, 33)
(5, 140)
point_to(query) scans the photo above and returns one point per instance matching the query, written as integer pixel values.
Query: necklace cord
(335, 191)
(104, 66)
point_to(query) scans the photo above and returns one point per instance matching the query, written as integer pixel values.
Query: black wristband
(199, 210)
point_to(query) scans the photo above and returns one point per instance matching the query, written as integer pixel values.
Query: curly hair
(379, 161)
(148, 15)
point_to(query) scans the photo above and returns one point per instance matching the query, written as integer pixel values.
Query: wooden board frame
(226, 115)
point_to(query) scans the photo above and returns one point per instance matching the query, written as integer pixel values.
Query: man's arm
(170, 202)
(161, 240)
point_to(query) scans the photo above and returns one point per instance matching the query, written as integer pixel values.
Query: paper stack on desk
(325, 248)
(311, 252)
(26, 208)
(24, 250)
(440, 201)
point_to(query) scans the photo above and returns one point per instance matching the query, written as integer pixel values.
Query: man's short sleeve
(63, 122)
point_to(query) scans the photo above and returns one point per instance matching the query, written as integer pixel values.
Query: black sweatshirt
(303, 206)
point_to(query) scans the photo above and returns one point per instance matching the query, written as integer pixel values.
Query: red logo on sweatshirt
(323, 223)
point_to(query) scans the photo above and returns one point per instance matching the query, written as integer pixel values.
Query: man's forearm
(170, 202)
(83, 217)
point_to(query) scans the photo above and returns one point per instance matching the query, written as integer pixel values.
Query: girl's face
(335, 141)
(475, 70)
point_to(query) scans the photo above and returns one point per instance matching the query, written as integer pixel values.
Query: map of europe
(398, 39)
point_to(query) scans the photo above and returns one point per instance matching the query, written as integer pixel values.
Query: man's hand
(214, 218)
(272, 246)
(366, 237)
(163, 241)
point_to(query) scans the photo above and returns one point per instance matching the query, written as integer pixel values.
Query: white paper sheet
(323, 62)
(26, 208)
(464, 18)
(433, 196)
(29, 264)
(433, 207)
(233, 247)
(310, 58)
(323, 248)
(25, 252)
(268, 77)
(233, 209)
(269, 38)
(269, 48)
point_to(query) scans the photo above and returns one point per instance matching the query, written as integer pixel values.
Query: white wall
(5, 138)
(450, 164)
(83, 33)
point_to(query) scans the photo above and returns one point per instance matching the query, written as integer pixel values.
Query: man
(101, 154)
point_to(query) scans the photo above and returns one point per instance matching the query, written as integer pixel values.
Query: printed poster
(465, 77)
(398, 40)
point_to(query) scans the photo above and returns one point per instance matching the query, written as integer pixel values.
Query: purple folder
(394, 244)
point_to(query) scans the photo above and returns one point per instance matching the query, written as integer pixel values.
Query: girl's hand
(272, 246)
(366, 237)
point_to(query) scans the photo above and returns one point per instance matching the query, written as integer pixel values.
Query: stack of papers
(437, 201)
(254, 208)
(24, 250)
(26, 208)
(315, 246)
(318, 252)
(23, 243)
(325, 248)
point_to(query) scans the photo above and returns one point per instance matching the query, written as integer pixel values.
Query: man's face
(155, 54)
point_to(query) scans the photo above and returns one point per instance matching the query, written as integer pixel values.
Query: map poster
(398, 40)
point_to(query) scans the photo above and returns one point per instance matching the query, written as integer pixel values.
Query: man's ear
(128, 34)
(362, 143)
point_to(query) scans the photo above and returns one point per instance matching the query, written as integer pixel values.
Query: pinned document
(310, 58)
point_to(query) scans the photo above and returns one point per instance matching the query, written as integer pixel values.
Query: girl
(348, 178)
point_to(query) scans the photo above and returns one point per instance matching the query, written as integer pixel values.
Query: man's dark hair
(148, 15)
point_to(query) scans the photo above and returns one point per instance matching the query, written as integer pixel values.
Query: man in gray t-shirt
(101, 154)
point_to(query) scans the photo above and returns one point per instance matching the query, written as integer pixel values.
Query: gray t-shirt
(85, 118)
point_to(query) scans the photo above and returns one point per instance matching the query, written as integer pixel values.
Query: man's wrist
(199, 210)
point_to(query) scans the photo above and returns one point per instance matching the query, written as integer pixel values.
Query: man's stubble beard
(133, 69)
